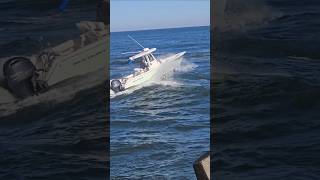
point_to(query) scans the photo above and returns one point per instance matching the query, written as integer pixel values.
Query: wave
(235, 15)
(26, 46)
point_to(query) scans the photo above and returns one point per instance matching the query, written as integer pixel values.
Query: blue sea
(159, 130)
(267, 91)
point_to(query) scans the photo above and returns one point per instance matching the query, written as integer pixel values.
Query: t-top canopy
(145, 52)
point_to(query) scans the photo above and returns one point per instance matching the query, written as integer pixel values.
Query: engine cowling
(18, 73)
(116, 85)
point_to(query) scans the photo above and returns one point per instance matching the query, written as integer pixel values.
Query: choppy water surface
(159, 130)
(267, 91)
(60, 134)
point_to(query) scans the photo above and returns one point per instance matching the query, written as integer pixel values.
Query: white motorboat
(150, 68)
(27, 76)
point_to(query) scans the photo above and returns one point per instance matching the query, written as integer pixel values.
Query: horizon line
(159, 28)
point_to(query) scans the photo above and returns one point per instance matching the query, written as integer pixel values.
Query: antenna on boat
(135, 41)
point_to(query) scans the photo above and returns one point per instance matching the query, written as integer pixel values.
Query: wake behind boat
(150, 68)
(28, 76)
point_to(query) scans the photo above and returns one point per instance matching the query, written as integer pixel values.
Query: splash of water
(186, 67)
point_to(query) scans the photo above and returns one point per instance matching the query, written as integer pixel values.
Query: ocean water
(159, 130)
(266, 83)
(61, 134)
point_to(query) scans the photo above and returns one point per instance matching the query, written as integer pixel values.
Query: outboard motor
(116, 85)
(19, 73)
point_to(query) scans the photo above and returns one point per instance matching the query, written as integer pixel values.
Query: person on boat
(144, 64)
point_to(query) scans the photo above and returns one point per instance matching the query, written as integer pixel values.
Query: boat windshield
(150, 57)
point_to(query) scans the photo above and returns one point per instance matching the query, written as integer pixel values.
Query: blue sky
(128, 15)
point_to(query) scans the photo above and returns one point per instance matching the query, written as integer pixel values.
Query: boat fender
(116, 85)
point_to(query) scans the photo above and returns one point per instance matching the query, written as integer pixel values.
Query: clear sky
(128, 15)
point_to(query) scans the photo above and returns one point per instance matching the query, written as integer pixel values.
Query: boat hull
(87, 59)
(156, 72)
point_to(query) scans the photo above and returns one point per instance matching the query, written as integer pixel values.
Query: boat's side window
(145, 59)
(150, 57)
(153, 58)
